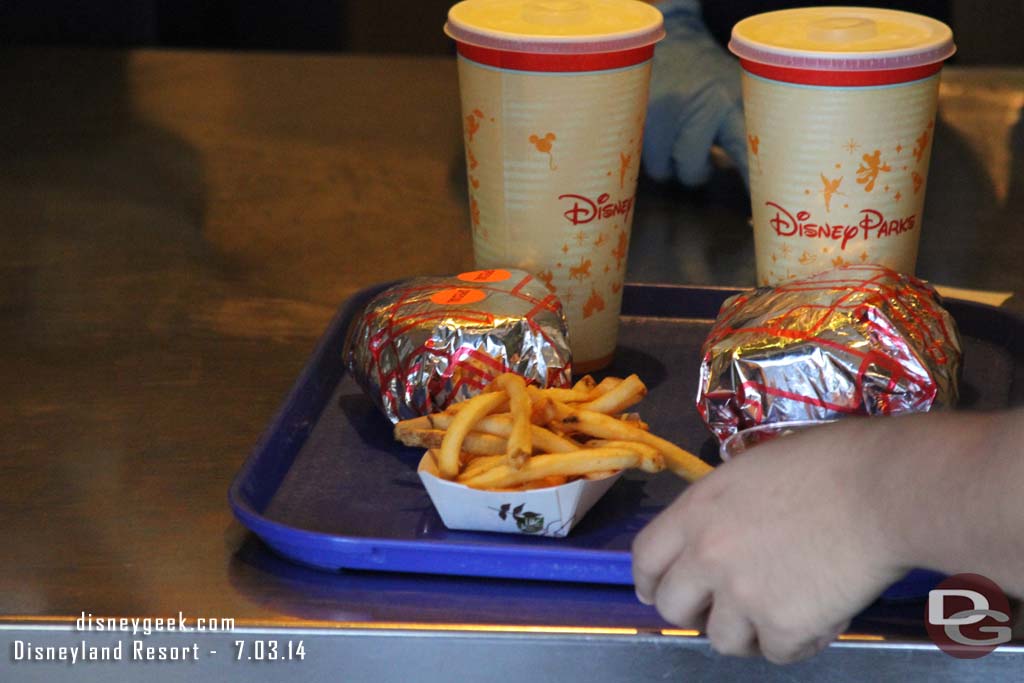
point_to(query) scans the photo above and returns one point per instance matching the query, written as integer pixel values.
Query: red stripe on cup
(840, 78)
(549, 62)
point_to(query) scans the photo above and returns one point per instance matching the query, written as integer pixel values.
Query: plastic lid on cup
(842, 39)
(555, 26)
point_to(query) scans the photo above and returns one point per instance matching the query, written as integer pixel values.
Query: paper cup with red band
(554, 95)
(840, 110)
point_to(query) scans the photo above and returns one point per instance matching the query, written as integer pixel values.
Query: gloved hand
(695, 101)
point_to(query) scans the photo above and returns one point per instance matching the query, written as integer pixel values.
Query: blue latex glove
(695, 101)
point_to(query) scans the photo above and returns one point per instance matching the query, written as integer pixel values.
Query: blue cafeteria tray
(328, 487)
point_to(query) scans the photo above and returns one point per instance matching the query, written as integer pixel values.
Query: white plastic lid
(842, 39)
(555, 26)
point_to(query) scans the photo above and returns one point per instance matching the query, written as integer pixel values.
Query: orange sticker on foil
(457, 296)
(492, 275)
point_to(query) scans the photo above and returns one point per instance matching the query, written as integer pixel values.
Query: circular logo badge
(968, 616)
(494, 275)
(456, 296)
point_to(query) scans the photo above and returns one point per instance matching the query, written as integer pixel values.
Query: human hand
(774, 551)
(695, 101)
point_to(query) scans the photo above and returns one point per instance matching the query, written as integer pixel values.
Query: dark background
(986, 32)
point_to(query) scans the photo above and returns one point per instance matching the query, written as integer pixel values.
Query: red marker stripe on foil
(549, 62)
(522, 283)
(840, 79)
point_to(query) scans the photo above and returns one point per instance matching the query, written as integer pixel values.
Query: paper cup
(554, 95)
(840, 113)
(551, 511)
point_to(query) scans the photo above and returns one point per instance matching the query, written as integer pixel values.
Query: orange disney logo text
(584, 210)
(872, 224)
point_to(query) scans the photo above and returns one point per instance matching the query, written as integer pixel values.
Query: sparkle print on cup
(548, 278)
(620, 251)
(921, 144)
(755, 149)
(624, 160)
(554, 196)
(472, 127)
(474, 213)
(473, 123)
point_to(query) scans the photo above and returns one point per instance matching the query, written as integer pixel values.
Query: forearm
(949, 492)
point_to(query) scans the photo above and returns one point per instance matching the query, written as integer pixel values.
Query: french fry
(472, 411)
(518, 437)
(563, 395)
(626, 393)
(651, 459)
(584, 383)
(548, 442)
(454, 408)
(582, 392)
(520, 440)
(599, 475)
(405, 426)
(542, 411)
(565, 464)
(482, 464)
(544, 440)
(475, 443)
(542, 483)
(681, 462)
(603, 387)
(635, 420)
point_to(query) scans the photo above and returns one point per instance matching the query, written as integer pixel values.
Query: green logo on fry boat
(527, 522)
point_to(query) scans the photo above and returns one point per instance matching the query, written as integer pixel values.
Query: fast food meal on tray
(856, 340)
(427, 342)
(523, 459)
(476, 370)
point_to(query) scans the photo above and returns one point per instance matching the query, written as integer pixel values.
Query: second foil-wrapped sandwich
(857, 340)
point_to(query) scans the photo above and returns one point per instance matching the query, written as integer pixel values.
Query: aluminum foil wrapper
(429, 342)
(857, 340)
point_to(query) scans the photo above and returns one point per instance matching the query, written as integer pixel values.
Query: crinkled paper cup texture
(837, 179)
(428, 342)
(551, 511)
(554, 98)
(857, 340)
(840, 110)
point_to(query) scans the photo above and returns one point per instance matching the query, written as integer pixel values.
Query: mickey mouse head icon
(544, 145)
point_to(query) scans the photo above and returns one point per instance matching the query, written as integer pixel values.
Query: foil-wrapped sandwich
(429, 342)
(857, 340)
